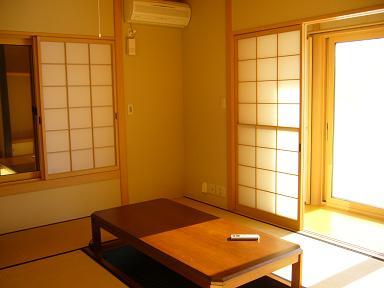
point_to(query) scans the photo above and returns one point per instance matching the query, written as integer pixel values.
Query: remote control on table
(240, 237)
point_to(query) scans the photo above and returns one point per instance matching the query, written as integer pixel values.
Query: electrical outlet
(204, 188)
(212, 189)
(220, 191)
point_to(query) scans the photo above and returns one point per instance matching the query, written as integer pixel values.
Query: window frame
(27, 41)
(329, 82)
(37, 181)
(65, 40)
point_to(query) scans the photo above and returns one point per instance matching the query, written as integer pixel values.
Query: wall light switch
(130, 109)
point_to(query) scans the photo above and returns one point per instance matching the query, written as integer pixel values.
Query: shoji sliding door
(78, 106)
(267, 132)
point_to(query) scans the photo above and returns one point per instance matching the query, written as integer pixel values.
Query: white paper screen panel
(82, 159)
(247, 70)
(287, 184)
(267, 46)
(268, 132)
(79, 96)
(247, 113)
(266, 180)
(289, 67)
(246, 135)
(55, 97)
(246, 176)
(286, 206)
(77, 53)
(266, 69)
(102, 116)
(246, 49)
(81, 139)
(289, 91)
(80, 117)
(102, 96)
(58, 162)
(101, 75)
(267, 92)
(247, 92)
(78, 75)
(52, 52)
(57, 141)
(56, 119)
(247, 196)
(104, 156)
(246, 155)
(289, 43)
(53, 75)
(266, 201)
(266, 138)
(77, 92)
(267, 114)
(100, 54)
(103, 136)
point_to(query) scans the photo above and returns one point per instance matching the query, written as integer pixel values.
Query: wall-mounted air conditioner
(165, 13)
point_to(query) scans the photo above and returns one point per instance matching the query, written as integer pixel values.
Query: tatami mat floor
(324, 265)
(35, 243)
(73, 269)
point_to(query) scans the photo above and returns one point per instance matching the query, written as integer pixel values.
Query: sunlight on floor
(348, 227)
(325, 265)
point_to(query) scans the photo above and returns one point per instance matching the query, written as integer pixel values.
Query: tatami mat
(35, 243)
(74, 269)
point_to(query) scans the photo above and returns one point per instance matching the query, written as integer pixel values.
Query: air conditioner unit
(165, 13)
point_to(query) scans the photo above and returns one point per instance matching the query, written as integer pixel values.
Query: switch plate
(132, 46)
(130, 109)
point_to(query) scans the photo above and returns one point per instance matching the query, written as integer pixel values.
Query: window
(78, 107)
(19, 150)
(66, 111)
(347, 101)
(354, 118)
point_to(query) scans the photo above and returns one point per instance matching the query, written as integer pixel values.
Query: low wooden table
(195, 244)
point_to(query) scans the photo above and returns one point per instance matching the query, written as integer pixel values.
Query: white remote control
(240, 237)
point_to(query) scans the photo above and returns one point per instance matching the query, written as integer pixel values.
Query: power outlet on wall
(220, 190)
(211, 189)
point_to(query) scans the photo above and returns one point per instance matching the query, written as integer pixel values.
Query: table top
(190, 241)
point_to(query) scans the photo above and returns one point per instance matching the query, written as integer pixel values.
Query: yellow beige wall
(54, 205)
(204, 88)
(58, 16)
(153, 85)
(249, 13)
(47, 206)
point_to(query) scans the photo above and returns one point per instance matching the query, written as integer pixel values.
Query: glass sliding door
(355, 120)
(268, 82)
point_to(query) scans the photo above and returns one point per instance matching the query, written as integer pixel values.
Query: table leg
(95, 244)
(296, 272)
